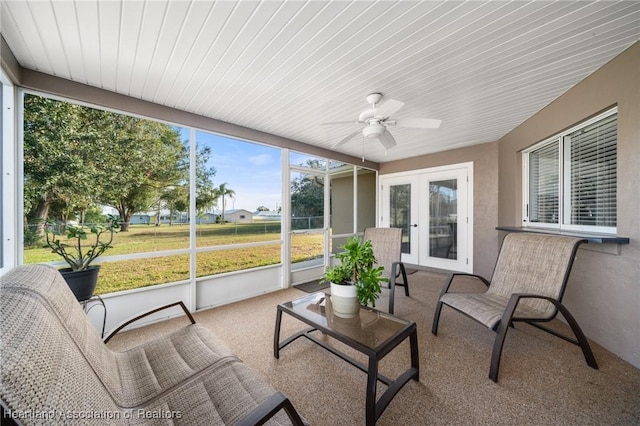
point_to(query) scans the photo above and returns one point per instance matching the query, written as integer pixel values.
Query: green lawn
(130, 274)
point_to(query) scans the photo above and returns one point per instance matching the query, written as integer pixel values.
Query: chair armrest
(445, 289)
(268, 408)
(481, 278)
(153, 311)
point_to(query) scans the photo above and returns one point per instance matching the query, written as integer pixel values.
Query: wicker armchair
(56, 369)
(527, 285)
(387, 248)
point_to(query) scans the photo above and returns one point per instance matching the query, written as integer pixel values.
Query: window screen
(543, 184)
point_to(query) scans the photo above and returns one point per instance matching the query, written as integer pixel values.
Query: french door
(433, 208)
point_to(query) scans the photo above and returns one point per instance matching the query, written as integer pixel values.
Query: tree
(206, 194)
(136, 160)
(262, 209)
(176, 198)
(223, 191)
(307, 192)
(307, 196)
(78, 157)
(56, 169)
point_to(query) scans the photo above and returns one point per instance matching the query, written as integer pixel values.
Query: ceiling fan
(377, 119)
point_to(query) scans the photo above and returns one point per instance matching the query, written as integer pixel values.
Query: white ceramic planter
(344, 301)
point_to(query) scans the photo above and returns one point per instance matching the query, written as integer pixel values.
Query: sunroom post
(192, 304)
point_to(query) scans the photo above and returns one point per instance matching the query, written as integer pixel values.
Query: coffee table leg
(372, 382)
(276, 335)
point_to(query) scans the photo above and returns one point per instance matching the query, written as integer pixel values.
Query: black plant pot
(82, 283)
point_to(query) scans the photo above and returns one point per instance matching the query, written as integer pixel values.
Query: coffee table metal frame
(373, 408)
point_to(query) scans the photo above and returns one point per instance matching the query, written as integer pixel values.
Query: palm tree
(223, 192)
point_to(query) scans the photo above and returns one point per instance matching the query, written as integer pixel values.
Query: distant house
(151, 218)
(267, 215)
(205, 218)
(143, 219)
(230, 216)
(238, 216)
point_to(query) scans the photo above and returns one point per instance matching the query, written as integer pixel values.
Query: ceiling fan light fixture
(373, 130)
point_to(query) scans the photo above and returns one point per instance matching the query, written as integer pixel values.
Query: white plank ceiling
(285, 67)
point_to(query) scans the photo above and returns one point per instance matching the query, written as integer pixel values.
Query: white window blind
(544, 184)
(570, 179)
(592, 161)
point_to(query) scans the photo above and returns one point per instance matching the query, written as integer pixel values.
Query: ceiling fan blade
(418, 123)
(387, 139)
(346, 139)
(388, 107)
(340, 122)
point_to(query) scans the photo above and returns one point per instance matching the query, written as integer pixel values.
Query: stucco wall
(366, 200)
(485, 195)
(342, 202)
(604, 289)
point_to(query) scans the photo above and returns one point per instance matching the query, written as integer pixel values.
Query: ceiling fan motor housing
(374, 98)
(373, 130)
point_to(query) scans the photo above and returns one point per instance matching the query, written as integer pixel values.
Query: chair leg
(506, 322)
(581, 338)
(392, 287)
(496, 354)
(392, 282)
(436, 319)
(501, 334)
(436, 315)
(404, 279)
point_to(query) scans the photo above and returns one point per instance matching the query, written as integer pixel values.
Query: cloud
(260, 159)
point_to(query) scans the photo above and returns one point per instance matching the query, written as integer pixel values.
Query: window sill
(589, 236)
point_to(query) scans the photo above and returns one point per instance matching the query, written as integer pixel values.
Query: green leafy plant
(75, 250)
(357, 267)
(368, 285)
(338, 274)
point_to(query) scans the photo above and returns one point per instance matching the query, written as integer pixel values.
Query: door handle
(415, 225)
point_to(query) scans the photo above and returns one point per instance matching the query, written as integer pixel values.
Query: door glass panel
(307, 220)
(443, 221)
(400, 212)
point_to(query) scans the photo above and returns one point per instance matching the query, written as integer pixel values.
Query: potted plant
(356, 280)
(81, 275)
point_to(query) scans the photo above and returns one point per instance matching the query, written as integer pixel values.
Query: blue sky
(253, 171)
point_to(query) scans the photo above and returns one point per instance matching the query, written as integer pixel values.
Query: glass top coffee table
(372, 333)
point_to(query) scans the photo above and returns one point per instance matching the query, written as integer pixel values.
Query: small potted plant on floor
(79, 253)
(356, 280)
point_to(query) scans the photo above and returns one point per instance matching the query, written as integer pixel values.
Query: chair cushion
(533, 263)
(528, 263)
(387, 246)
(47, 360)
(487, 308)
(54, 361)
(220, 395)
(155, 367)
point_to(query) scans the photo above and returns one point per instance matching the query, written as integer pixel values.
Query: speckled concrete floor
(543, 379)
